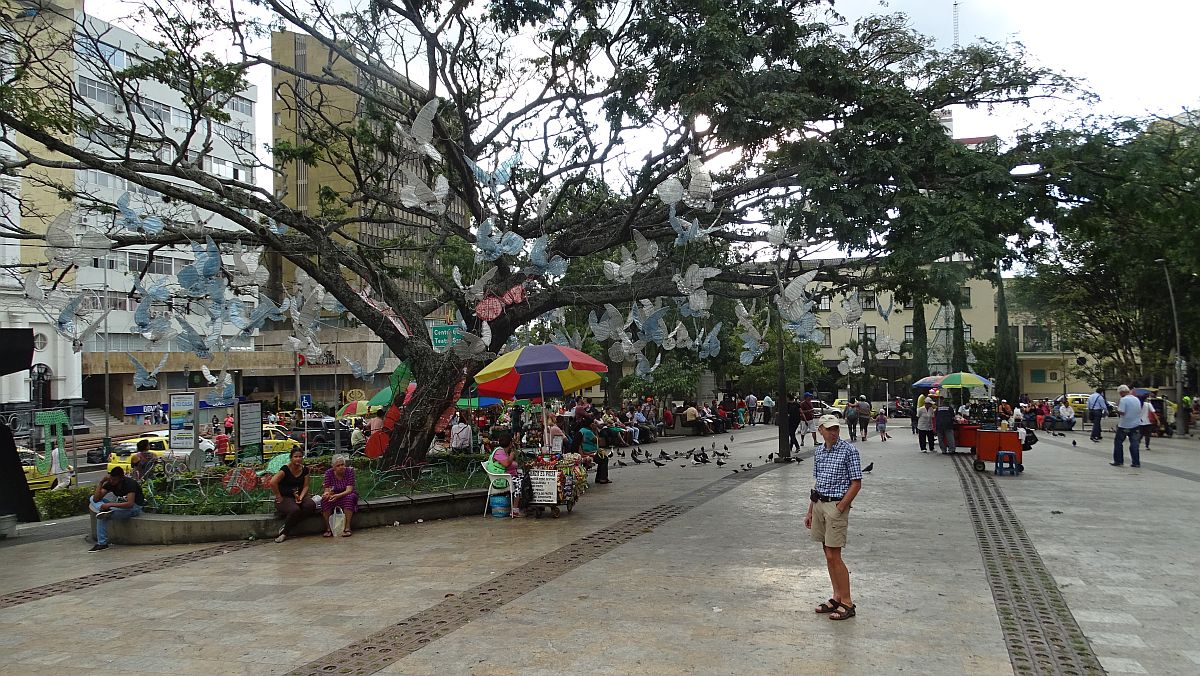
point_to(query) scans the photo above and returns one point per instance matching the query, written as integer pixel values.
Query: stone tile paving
(1122, 545)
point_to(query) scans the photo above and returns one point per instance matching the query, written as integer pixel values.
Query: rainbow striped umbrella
(539, 371)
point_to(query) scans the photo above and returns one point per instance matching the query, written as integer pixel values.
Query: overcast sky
(1139, 57)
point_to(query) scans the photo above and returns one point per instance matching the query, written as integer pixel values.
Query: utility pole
(1179, 413)
(107, 343)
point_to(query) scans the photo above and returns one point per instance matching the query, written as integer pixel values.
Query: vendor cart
(557, 480)
(990, 442)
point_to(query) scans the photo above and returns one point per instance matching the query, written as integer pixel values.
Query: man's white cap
(1123, 388)
(829, 421)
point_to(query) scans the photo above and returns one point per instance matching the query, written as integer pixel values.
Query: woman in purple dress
(339, 492)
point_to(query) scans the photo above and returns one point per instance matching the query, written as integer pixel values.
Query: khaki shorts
(829, 525)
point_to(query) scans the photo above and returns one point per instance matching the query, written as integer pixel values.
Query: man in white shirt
(752, 408)
(1066, 414)
(768, 408)
(1130, 410)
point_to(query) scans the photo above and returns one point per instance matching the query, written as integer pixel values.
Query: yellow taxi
(34, 477)
(275, 441)
(840, 406)
(123, 451)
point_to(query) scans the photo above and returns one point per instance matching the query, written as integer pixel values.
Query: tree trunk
(439, 384)
(958, 356)
(920, 343)
(1007, 378)
(612, 381)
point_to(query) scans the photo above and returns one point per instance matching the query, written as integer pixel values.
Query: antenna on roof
(956, 24)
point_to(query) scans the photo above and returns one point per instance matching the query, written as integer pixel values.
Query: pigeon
(726, 447)
(720, 463)
(769, 456)
(736, 471)
(731, 437)
(659, 464)
(868, 468)
(621, 453)
(1073, 443)
(683, 465)
(635, 460)
(622, 464)
(749, 467)
(663, 455)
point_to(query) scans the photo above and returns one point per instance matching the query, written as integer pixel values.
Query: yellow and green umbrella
(964, 380)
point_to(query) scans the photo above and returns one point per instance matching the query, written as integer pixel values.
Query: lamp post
(1179, 426)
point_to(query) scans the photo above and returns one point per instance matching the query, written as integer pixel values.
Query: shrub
(56, 504)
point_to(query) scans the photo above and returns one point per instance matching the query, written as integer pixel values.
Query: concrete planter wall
(169, 529)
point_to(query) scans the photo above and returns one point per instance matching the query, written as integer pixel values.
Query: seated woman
(506, 456)
(338, 491)
(614, 430)
(292, 502)
(590, 447)
(556, 436)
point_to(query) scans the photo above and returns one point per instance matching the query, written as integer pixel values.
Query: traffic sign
(306, 401)
(443, 336)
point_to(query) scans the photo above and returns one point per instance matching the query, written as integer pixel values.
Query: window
(101, 92)
(109, 262)
(823, 302)
(40, 342)
(866, 333)
(867, 298)
(966, 297)
(161, 265)
(823, 338)
(93, 177)
(115, 300)
(1037, 339)
(1037, 375)
(241, 105)
(908, 333)
(243, 173)
(967, 333)
(181, 118)
(908, 304)
(1014, 331)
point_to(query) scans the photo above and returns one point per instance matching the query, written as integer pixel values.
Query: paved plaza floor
(1072, 567)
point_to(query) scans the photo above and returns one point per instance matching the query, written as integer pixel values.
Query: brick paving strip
(379, 650)
(126, 571)
(1039, 630)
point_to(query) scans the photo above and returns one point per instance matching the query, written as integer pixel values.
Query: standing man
(944, 424)
(752, 408)
(837, 475)
(1130, 410)
(793, 420)
(864, 415)
(924, 420)
(768, 407)
(1097, 408)
(808, 419)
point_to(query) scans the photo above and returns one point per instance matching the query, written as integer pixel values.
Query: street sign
(306, 401)
(444, 336)
(182, 419)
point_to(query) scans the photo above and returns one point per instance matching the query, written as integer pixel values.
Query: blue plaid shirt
(834, 468)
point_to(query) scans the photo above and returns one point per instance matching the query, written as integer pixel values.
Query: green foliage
(762, 377)
(920, 342)
(1005, 372)
(61, 503)
(958, 357)
(675, 378)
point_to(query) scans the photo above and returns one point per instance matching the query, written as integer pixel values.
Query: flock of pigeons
(699, 456)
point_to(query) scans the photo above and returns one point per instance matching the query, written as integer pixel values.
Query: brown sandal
(828, 607)
(845, 613)
(328, 534)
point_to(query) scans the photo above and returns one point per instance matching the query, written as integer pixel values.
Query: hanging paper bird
(191, 341)
(143, 379)
(644, 368)
(885, 311)
(685, 233)
(755, 346)
(711, 346)
(419, 137)
(91, 329)
(265, 311)
(699, 190)
(541, 263)
(415, 194)
(129, 219)
(208, 375)
(224, 392)
(793, 303)
(33, 287)
(494, 179)
(475, 347)
(568, 339)
(691, 285)
(651, 324)
(361, 373)
(493, 245)
(610, 326)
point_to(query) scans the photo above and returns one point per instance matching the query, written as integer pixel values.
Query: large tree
(1124, 216)
(604, 103)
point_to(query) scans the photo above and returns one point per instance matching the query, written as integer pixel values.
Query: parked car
(903, 409)
(34, 477)
(123, 451)
(275, 441)
(821, 408)
(319, 430)
(1079, 403)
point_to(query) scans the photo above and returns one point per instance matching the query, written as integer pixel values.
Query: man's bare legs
(839, 575)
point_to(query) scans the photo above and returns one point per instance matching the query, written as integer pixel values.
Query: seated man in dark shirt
(116, 497)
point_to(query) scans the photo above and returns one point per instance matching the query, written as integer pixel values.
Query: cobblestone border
(95, 579)
(393, 643)
(1041, 634)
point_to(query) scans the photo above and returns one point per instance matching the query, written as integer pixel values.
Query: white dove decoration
(361, 373)
(493, 245)
(419, 137)
(144, 379)
(415, 194)
(494, 179)
(478, 288)
(699, 189)
(543, 264)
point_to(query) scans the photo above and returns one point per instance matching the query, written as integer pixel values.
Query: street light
(1179, 413)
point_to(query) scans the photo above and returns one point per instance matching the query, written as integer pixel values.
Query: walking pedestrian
(924, 418)
(850, 413)
(1097, 408)
(1148, 423)
(864, 415)
(1130, 411)
(837, 479)
(794, 417)
(768, 408)
(229, 424)
(752, 408)
(881, 425)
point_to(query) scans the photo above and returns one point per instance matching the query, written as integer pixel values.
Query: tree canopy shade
(564, 125)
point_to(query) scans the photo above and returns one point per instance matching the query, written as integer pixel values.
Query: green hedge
(56, 504)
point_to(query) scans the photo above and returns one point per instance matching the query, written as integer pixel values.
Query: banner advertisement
(182, 417)
(249, 424)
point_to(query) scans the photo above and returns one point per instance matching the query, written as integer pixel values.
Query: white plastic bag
(337, 522)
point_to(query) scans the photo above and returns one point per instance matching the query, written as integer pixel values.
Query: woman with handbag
(338, 493)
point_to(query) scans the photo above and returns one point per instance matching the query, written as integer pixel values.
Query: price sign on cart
(545, 485)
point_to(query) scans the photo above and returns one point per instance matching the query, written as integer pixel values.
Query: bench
(166, 529)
